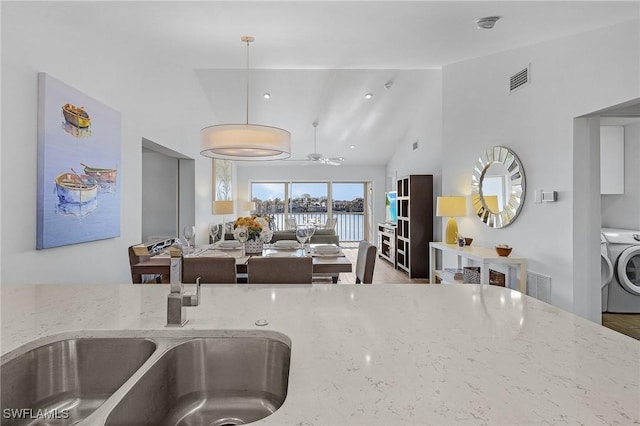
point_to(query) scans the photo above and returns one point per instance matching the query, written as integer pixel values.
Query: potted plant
(253, 232)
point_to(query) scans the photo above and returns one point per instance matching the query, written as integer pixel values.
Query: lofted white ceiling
(318, 58)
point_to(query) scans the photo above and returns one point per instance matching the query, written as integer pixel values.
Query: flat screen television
(392, 212)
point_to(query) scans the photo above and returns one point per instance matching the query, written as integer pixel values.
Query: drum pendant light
(245, 142)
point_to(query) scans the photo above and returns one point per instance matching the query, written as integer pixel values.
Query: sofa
(321, 236)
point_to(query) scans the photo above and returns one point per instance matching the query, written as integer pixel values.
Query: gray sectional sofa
(321, 236)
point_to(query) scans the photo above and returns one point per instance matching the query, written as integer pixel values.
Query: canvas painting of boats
(105, 177)
(77, 194)
(74, 188)
(76, 116)
(78, 189)
(76, 121)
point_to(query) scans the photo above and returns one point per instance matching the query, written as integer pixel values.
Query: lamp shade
(492, 203)
(451, 206)
(245, 142)
(223, 207)
(249, 206)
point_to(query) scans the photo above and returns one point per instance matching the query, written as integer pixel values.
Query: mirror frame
(508, 158)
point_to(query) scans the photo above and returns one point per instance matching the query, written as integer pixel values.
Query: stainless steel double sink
(233, 378)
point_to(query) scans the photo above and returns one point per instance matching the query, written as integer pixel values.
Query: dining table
(328, 265)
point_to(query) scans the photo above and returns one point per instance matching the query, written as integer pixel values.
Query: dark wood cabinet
(415, 224)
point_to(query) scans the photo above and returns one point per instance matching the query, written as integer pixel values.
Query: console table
(483, 257)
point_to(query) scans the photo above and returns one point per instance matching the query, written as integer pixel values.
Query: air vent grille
(519, 79)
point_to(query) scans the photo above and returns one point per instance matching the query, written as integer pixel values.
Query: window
(314, 202)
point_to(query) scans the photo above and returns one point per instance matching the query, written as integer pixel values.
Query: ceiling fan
(316, 157)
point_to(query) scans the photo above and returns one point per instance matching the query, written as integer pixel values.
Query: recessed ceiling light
(487, 23)
(267, 95)
(368, 96)
(352, 146)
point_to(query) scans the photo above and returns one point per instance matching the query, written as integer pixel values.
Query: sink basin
(213, 381)
(72, 376)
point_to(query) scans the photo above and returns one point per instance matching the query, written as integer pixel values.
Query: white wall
(159, 195)
(427, 159)
(344, 173)
(146, 89)
(569, 77)
(623, 211)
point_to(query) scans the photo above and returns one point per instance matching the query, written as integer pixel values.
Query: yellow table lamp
(451, 207)
(492, 203)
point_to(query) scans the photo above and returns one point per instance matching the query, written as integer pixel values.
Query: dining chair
(279, 270)
(331, 223)
(365, 263)
(211, 270)
(290, 223)
(137, 258)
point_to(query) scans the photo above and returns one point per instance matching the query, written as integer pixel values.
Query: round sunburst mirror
(498, 187)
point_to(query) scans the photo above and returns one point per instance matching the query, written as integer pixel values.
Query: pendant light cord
(315, 136)
(247, 82)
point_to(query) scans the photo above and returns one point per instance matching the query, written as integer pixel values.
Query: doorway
(168, 192)
(589, 292)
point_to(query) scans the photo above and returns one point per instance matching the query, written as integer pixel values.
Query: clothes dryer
(606, 272)
(623, 246)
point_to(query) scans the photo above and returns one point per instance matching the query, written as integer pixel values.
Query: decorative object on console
(498, 187)
(503, 250)
(471, 275)
(468, 241)
(245, 142)
(253, 232)
(451, 207)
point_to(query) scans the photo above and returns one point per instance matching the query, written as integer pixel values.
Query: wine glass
(302, 233)
(242, 235)
(189, 233)
(311, 229)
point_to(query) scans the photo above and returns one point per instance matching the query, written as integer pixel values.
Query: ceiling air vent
(519, 79)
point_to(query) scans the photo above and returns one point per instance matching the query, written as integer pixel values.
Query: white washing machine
(623, 246)
(606, 272)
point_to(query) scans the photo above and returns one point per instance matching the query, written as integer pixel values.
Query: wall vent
(520, 79)
(415, 145)
(539, 286)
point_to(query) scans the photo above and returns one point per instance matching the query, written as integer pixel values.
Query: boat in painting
(76, 189)
(101, 175)
(76, 116)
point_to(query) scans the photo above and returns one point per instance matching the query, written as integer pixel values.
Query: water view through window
(313, 202)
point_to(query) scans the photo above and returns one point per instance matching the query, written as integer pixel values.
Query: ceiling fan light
(245, 142)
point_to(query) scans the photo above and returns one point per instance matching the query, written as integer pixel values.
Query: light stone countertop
(380, 354)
